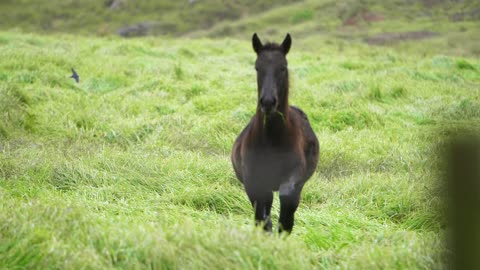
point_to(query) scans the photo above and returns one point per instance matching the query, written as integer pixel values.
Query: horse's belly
(268, 172)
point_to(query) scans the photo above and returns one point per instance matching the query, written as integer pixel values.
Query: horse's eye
(256, 68)
(283, 69)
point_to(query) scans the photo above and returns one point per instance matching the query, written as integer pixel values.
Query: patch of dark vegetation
(164, 110)
(423, 120)
(389, 38)
(408, 216)
(302, 16)
(141, 133)
(4, 40)
(467, 109)
(113, 136)
(30, 121)
(66, 177)
(425, 221)
(470, 15)
(351, 65)
(398, 92)
(464, 64)
(7, 167)
(221, 202)
(194, 91)
(375, 93)
(84, 121)
(186, 52)
(26, 78)
(311, 197)
(21, 96)
(13, 105)
(3, 131)
(179, 74)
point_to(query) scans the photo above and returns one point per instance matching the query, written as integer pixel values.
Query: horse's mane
(272, 46)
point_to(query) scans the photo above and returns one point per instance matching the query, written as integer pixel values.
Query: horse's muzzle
(268, 104)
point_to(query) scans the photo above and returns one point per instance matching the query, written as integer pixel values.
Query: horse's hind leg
(262, 203)
(289, 200)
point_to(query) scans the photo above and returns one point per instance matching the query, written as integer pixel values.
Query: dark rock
(136, 30)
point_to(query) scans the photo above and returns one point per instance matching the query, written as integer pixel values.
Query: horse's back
(311, 146)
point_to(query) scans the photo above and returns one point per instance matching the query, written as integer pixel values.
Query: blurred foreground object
(464, 200)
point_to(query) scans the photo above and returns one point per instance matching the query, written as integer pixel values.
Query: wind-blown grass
(130, 168)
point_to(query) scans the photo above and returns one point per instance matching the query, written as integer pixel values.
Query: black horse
(277, 150)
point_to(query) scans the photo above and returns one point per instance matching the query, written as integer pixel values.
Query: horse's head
(272, 73)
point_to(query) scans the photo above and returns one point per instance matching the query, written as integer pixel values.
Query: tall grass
(130, 167)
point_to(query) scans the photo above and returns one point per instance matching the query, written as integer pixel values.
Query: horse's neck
(274, 127)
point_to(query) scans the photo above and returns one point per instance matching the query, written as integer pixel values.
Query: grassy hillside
(93, 17)
(448, 27)
(130, 167)
(349, 20)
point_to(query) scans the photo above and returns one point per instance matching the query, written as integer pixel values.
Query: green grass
(130, 168)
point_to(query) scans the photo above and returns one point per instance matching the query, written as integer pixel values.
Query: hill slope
(442, 26)
(94, 17)
(349, 20)
(447, 27)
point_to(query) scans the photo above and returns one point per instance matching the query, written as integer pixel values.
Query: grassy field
(130, 167)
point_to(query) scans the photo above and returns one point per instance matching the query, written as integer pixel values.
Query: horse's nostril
(268, 102)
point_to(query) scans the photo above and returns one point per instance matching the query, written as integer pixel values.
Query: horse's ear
(287, 42)
(256, 43)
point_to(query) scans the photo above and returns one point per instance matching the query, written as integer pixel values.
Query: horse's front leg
(289, 200)
(262, 203)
